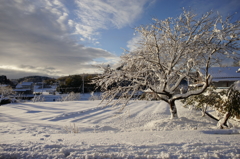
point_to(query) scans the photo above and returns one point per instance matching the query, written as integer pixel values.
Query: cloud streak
(36, 37)
(98, 14)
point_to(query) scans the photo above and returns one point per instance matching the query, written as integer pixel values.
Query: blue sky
(65, 37)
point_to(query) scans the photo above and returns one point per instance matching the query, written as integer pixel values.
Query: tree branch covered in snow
(169, 52)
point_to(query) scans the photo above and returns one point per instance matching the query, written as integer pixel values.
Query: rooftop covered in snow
(225, 73)
(24, 84)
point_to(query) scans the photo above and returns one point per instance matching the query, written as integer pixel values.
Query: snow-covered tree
(210, 98)
(226, 103)
(231, 106)
(5, 91)
(170, 51)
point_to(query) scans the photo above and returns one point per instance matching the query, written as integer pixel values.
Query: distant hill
(33, 79)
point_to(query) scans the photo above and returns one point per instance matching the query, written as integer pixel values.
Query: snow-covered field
(84, 129)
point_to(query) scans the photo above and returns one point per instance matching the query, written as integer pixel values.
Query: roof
(21, 90)
(225, 73)
(24, 84)
(19, 86)
(27, 83)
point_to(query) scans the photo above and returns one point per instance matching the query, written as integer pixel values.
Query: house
(25, 88)
(224, 76)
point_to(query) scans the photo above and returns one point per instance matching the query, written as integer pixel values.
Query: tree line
(76, 83)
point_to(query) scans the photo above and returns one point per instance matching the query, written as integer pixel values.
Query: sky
(64, 37)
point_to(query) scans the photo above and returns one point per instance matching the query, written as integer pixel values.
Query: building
(224, 76)
(25, 88)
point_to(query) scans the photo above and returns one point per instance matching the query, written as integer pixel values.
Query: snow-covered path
(142, 130)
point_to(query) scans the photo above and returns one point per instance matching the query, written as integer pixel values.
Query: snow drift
(84, 129)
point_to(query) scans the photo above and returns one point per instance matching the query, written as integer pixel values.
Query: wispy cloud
(102, 14)
(38, 35)
(133, 44)
(30, 70)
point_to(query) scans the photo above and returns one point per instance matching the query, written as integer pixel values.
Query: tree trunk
(226, 117)
(204, 109)
(222, 124)
(173, 110)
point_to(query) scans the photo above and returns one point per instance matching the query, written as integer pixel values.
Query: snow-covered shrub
(5, 94)
(202, 101)
(72, 128)
(231, 105)
(226, 103)
(94, 97)
(38, 98)
(70, 97)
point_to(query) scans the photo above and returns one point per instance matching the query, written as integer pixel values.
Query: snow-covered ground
(84, 129)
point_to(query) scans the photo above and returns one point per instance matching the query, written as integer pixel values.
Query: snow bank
(84, 129)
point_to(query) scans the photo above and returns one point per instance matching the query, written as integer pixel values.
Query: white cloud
(32, 69)
(61, 20)
(133, 43)
(38, 35)
(85, 31)
(103, 14)
(45, 36)
(57, 2)
(70, 23)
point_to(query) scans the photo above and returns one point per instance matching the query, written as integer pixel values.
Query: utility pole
(42, 85)
(83, 83)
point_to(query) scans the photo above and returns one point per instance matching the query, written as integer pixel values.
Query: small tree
(225, 102)
(231, 106)
(169, 52)
(5, 91)
(210, 98)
